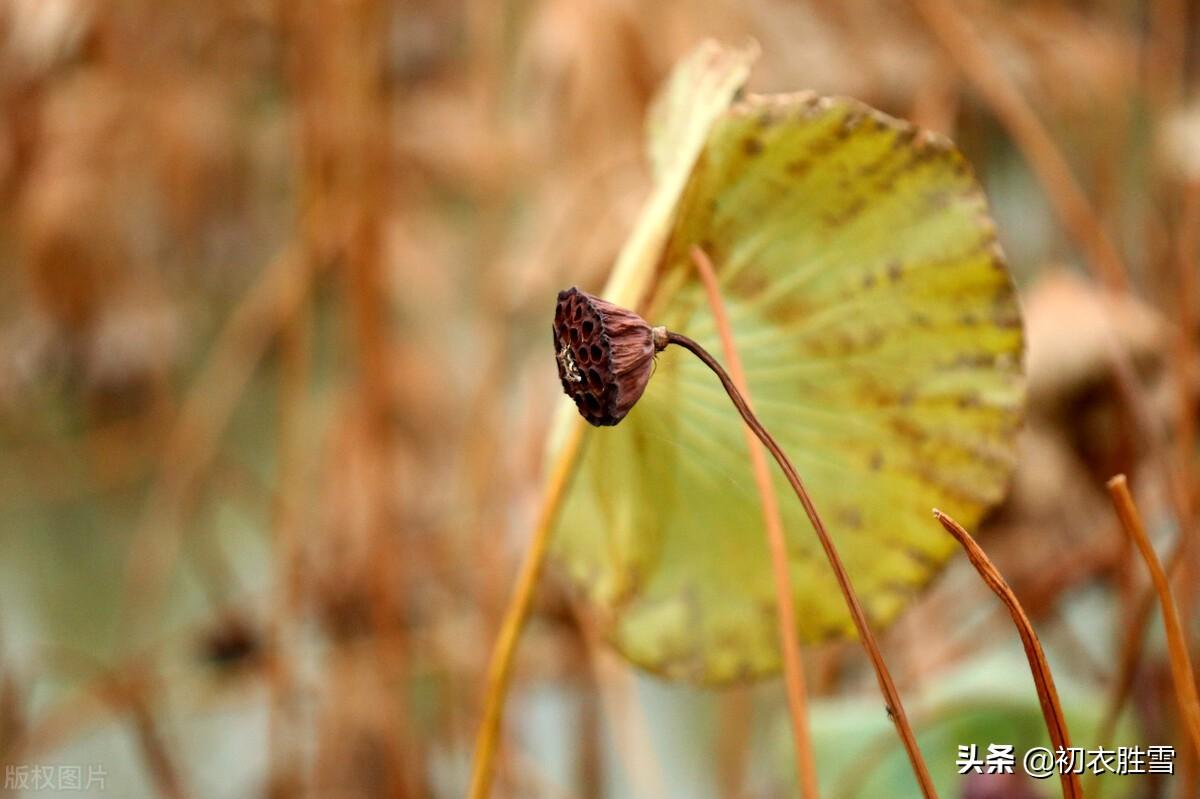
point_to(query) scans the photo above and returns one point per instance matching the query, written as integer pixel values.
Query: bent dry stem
(793, 667)
(886, 684)
(605, 358)
(1177, 647)
(1056, 722)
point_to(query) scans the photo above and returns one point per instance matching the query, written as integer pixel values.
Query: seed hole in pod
(594, 379)
(588, 327)
(574, 335)
(581, 355)
(576, 313)
(597, 353)
(591, 401)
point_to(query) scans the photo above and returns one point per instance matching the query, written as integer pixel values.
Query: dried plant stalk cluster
(605, 355)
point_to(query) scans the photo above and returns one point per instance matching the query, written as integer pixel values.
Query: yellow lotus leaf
(882, 344)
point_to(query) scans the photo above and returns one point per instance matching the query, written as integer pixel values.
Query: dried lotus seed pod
(605, 355)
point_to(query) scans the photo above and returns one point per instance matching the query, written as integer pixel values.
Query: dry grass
(272, 349)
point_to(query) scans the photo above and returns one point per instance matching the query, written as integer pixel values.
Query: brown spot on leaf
(903, 137)
(907, 429)
(872, 168)
(1008, 321)
(851, 211)
(968, 360)
(850, 517)
(849, 124)
(938, 200)
(921, 558)
(799, 167)
(749, 283)
(900, 589)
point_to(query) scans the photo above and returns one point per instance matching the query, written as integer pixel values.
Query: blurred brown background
(275, 378)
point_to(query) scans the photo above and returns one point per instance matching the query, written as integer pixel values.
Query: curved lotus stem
(886, 685)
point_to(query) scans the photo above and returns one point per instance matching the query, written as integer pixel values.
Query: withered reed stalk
(191, 445)
(789, 645)
(515, 616)
(1181, 663)
(159, 761)
(1184, 557)
(295, 365)
(950, 27)
(1056, 723)
(1131, 651)
(1186, 250)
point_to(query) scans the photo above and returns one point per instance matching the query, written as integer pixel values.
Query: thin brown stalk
(857, 773)
(1176, 475)
(789, 644)
(515, 616)
(895, 707)
(625, 716)
(295, 346)
(950, 27)
(1131, 653)
(948, 24)
(191, 446)
(1166, 51)
(1185, 268)
(153, 747)
(589, 727)
(1181, 663)
(128, 689)
(735, 722)
(1056, 723)
(1186, 250)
